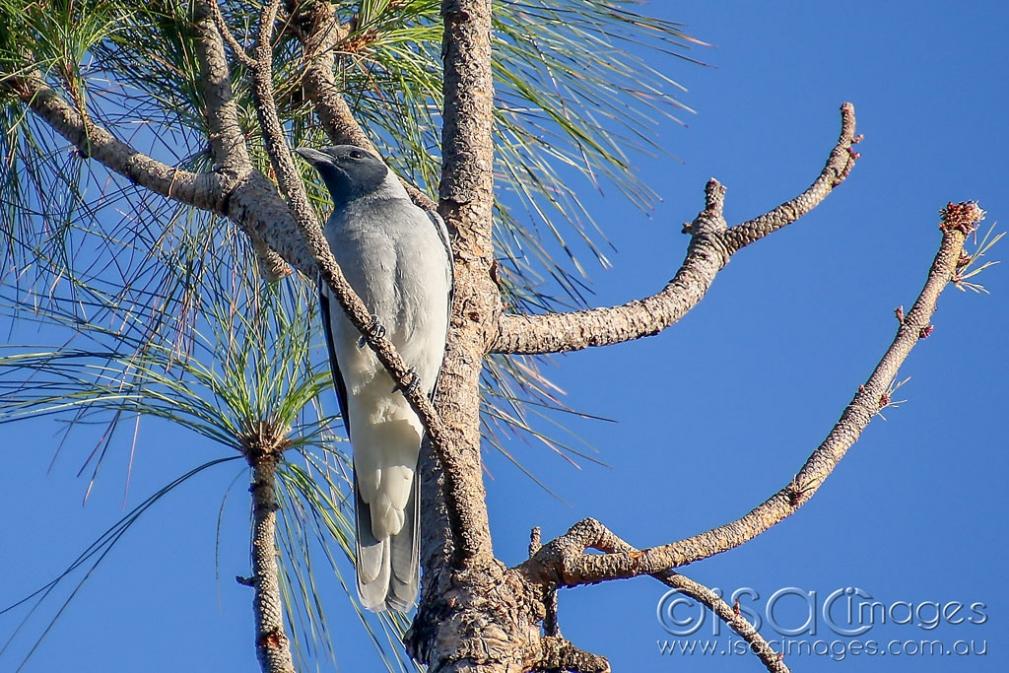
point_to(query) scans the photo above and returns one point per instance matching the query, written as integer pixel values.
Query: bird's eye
(356, 154)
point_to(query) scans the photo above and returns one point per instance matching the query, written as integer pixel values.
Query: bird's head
(347, 170)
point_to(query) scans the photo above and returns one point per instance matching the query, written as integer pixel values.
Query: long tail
(388, 570)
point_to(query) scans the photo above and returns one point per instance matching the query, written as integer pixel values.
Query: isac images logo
(847, 621)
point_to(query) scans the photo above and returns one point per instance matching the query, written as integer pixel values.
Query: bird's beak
(313, 157)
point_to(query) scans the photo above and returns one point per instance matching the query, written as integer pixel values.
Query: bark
(592, 534)
(252, 201)
(563, 562)
(466, 204)
(464, 512)
(711, 247)
(227, 142)
(320, 33)
(773, 661)
(202, 190)
(473, 615)
(272, 645)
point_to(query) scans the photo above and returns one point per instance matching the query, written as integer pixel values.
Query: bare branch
(711, 246)
(839, 165)
(225, 32)
(563, 562)
(227, 142)
(772, 660)
(289, 180)
(551, 624)
(591, 534)
(252, 201)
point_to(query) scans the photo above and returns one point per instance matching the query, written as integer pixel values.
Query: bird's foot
(374, 330)
(412, 385)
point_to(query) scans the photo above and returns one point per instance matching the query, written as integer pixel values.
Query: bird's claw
(411, 387)
(374, 330)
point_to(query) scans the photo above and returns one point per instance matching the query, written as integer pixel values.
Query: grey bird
(397, 258)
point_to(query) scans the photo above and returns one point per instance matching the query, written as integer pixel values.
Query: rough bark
(562, 561)
(252, 201)
(711, 247)
(472, 617)
(464, 512)
(320, 33)
(466, 204)
(202, 190)
(227, 142)
(272, 644)
(773, 661)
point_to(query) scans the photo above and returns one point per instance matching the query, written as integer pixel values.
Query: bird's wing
(439, 226)
(341, 387)
(327, 326)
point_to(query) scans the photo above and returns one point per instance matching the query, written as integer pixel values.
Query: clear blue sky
(713, 415)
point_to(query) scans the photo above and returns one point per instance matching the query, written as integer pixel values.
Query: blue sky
(713, 415)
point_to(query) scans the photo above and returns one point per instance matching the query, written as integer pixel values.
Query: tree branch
(289, 180)
(320, 33)
(711, 247)
(772, 660)
(272, 645)
(227, 142)
(551, 622)
(591, 534)
(562, 562)
(467, 175)
(252, 201)
(222, 27)
(201, 190)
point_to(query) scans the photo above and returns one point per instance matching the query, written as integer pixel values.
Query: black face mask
(350, 172)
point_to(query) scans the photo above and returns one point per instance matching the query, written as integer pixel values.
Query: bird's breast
(396, 263)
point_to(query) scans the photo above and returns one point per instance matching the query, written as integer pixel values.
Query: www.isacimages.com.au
(836, 649)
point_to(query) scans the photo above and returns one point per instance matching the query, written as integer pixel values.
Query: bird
(398, 259)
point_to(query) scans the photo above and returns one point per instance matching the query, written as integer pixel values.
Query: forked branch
(222, 27)
(250, 200)
(227, 143)
(712, 244)
(591, 534)
(563, 563)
